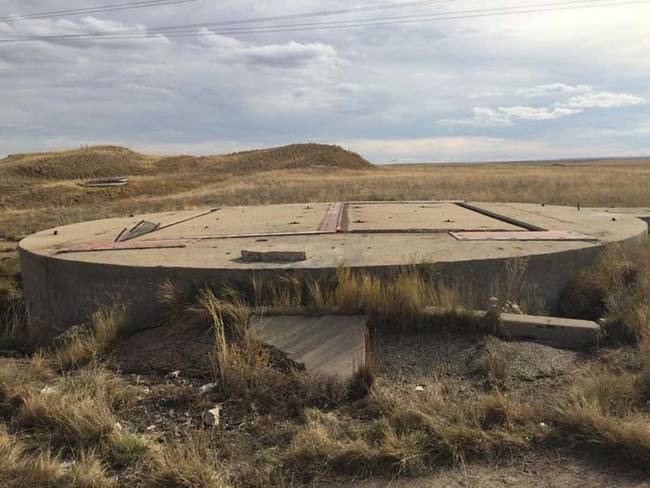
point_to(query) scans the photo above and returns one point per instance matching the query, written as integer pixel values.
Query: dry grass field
(42, 190)
(445, 402)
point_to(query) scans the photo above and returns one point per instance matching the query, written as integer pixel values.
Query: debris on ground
(212, 417)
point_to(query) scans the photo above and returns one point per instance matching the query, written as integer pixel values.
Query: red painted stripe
(125, 246)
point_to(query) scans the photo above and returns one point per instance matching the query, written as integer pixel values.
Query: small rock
(171, 412)
(212, 417)
(48, 390)
(419, 388)
(208, 387)
(151, 427)
(512, 307)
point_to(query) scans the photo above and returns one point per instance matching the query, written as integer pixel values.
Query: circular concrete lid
(325, 235)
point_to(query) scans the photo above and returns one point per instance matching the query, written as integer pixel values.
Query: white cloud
(290, 55)
(536, 113)
(328, 85)
(585, 97)
(490, 117)
(593, 99)
(505, 116)
(552, 89)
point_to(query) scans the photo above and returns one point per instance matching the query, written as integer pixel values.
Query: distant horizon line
(394, 162)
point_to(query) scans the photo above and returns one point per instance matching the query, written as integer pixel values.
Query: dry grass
(194, 463)
(246, 369)
(65, 435)
(299, 429)
(81, 345)
(66, 419)
(40, 191)
(398, 301)
(616, 289)
(583, 421)
(21, 467)
(408, 436)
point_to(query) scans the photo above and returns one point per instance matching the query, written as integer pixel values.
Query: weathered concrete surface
(554, 331)
(62, 289)
(422, 216)
(331, 345)
(642, 213)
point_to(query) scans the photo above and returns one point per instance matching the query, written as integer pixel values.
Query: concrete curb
(554, 331)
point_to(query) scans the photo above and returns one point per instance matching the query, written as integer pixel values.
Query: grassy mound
(91, 162)
(106, 161)
(294, 156)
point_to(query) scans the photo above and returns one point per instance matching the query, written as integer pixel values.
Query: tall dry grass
(81, 345)
(407, 436)
(256, 374)
(616, 290)
(65, 434)
(194, 463)
(398, 301)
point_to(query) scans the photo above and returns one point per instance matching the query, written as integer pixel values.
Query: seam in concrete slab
(343, 222)
(498, 235)
(503, 218)
(332, 217)
(171, 224)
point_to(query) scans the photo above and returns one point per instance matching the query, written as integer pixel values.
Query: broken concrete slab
(331, 345)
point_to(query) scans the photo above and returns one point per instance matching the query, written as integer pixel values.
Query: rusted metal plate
(141, 228)
(144, 228)
(545, 235)
(125, 246)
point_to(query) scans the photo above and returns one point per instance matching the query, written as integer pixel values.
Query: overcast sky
(574, 83)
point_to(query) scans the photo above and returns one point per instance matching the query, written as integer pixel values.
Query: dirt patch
(166, 349)
(471, 364)
(190, 350)
(557, 471)
(522, 361)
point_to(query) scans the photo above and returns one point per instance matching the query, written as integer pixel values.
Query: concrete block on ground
(556, 331)
(553, 331)
(332, 345)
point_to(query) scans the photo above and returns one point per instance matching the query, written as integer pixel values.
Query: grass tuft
(82, 345)
(192, 464)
